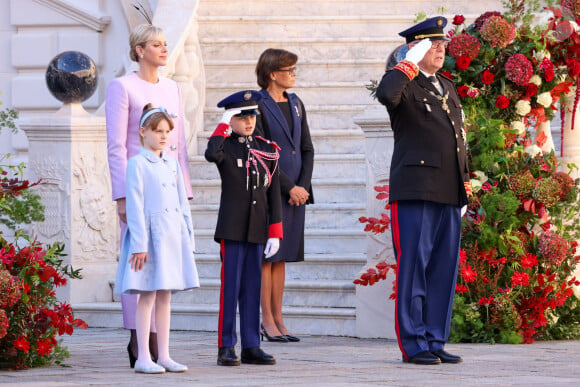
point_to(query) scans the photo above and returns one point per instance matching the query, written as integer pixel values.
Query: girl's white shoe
(150, 368)
(172, 366)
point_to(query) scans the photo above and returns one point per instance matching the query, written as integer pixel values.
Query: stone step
(335, 26)
(323, 215)
(300, 320)
(341, 141)
(320, 117)
(316, 241)
(217, 49)
(338, 266)
(332, 70)
(335, 93)
(324, 7)
(314, 293)
(325, 166)
(336, 190)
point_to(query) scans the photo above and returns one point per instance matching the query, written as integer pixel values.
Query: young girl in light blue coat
(157, 248)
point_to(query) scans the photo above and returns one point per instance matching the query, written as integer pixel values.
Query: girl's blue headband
(150, 112)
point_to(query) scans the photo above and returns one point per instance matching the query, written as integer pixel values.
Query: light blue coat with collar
(159, 223)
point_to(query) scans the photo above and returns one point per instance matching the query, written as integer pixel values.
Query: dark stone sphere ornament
(71, 76)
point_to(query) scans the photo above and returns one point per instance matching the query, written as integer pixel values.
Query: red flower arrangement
(464, 45)
(487, 77)
(502, 102)
(31, 317)
(553, 248)
(497, 31)
(462, 63)
(519, 69)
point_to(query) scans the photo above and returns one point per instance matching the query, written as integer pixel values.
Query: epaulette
(269, 142)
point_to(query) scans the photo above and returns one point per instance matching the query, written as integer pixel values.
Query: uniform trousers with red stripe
(426, 240)
(241, 279)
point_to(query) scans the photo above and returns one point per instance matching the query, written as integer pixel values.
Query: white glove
(272, 247)
(228, 114)
(463, 210)
(418, 51)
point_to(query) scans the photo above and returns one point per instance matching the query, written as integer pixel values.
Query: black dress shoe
(227, 357)
(424, 357)
(276, 339)
(255, 355)
(446, 357)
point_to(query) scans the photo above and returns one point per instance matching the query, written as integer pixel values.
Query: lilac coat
(126, 97)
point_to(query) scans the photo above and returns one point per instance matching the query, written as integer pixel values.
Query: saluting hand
(417, 51)
(137, 261)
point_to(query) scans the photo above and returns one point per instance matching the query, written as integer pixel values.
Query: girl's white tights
(162, 301)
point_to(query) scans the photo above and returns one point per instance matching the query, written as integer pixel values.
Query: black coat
(429, 158)
(250, 211)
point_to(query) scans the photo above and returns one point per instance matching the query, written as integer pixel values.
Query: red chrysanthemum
(486, 301)
(44, 347)
(519, 69)
(502, 102)
(462, 63)
(520, 279)
(458, 20)
(482, 18)
(468, 273)
(460, 288)
(464, 45)
(529, 260)
(553, 247)
(487, 77)
(497, 32)
(21, 344)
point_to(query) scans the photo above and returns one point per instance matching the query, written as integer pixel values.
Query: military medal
(444, 102)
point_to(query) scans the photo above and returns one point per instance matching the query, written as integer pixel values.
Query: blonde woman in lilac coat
(126, 97)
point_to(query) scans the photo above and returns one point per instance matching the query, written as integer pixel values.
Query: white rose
(536, 80)
(523, 107)
(544, 99)
(533, 150)
(519, 126)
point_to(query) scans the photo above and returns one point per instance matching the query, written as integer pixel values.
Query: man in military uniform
(429, 185)
(249, 223)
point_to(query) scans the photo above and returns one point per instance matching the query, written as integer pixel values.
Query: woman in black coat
(283, 120)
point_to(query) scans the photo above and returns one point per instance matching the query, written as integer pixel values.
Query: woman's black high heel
(132, 358)
(276, 339)
(292, 339)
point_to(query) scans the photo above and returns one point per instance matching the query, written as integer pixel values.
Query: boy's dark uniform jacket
(245, 215)
(429, 159)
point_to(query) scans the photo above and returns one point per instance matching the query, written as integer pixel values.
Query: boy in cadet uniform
(249, 223)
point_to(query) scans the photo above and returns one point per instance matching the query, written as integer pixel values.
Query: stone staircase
(341, 46)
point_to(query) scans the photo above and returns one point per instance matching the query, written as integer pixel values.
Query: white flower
(542, 54)
(533, 150)
(523, 107)
(536, 80)
(544, 99)
(519, 126)
(480, 176)
(475, 185)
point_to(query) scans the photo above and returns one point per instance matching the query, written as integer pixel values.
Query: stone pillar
(68, 152)
(571, 150)
(374, 310)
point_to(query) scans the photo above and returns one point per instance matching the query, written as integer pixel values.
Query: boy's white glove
(272, 246)
(418, 51)
(228, 114)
